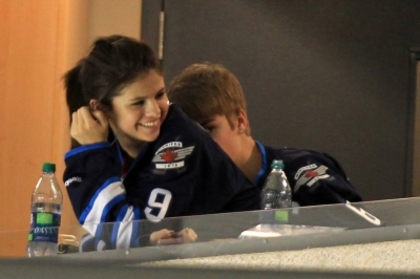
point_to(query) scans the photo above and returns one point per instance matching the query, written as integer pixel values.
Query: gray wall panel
(150, 22)
(328, 75)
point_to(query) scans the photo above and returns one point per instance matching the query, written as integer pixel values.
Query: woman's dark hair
(112, 63)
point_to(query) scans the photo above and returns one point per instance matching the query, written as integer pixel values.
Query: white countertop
(389, 257)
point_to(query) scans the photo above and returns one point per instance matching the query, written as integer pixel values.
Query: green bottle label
(282, 215)
(44, 219)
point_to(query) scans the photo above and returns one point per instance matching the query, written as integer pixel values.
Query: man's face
(221, 131)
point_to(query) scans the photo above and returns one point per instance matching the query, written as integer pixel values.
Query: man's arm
(317, 178)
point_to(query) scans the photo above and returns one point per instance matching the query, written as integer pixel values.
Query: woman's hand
(188, 235)
(89, 126)
(165, 237)
(157, 235)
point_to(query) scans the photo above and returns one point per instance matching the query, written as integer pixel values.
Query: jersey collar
(263, 168)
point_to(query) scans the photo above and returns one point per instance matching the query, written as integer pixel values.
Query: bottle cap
(278, 164)
(48, 167)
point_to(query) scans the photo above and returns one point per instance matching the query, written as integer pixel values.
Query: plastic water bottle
(276, 192)
(46, 205)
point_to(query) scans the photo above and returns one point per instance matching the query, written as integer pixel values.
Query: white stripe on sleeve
(102, 204)
(125, 230)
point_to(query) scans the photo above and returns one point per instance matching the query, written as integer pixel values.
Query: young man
(212, 96)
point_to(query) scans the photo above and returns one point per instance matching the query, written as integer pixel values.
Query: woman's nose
(152, 109)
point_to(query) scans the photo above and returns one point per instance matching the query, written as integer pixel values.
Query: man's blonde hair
(206, 90)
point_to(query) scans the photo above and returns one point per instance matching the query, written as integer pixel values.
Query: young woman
(135, 156)
(212, 96)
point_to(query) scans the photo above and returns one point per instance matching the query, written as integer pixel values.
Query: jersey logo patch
(171, 155)
(308, 175)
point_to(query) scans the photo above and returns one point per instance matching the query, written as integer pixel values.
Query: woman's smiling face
(139, 110)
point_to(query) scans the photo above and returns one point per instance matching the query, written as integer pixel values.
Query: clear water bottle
(276, 192)
(46, 205)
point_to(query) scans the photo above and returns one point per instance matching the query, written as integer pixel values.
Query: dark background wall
(330, 75)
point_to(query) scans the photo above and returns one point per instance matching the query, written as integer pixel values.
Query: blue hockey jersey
(184, 172)
(315, 177)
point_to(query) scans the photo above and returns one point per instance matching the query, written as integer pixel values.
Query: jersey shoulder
(298, 157)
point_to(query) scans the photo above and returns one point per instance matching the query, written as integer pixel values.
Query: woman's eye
(139, 103)
(160, 95)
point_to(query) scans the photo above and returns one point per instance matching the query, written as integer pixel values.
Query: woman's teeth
(149, 124)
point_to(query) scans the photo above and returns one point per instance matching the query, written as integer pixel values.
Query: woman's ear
(95, 105)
